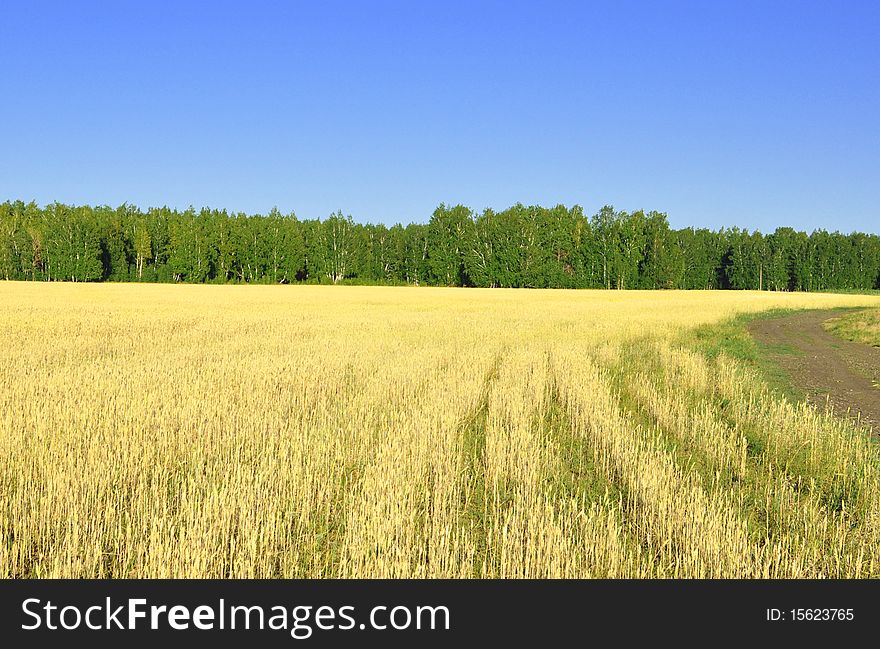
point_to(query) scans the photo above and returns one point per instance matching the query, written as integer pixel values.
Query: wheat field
(245, 431)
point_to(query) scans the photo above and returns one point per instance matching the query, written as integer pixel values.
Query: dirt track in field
(828, 369)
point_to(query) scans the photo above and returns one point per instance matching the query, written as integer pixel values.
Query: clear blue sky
(719, 113)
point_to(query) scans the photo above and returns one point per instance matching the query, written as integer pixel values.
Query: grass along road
(860, 326)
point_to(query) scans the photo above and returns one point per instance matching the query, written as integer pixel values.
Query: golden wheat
(223, 431)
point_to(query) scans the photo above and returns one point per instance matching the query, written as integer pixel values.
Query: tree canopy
(522, 246)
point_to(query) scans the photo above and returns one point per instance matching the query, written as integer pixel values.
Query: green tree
(341, 243)
(450, 239)
(747, 260)
(663, 261)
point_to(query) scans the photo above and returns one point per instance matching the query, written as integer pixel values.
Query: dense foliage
(518, 247)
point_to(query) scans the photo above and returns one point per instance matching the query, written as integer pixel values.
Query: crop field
(278, 431)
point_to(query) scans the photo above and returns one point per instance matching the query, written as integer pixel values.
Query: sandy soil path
(844, 374)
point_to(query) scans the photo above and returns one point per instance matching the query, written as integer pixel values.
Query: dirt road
(827, 368)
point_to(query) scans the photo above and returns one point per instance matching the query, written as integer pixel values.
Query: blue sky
(755, 114)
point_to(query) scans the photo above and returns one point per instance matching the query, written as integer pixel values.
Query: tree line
(522, 246)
